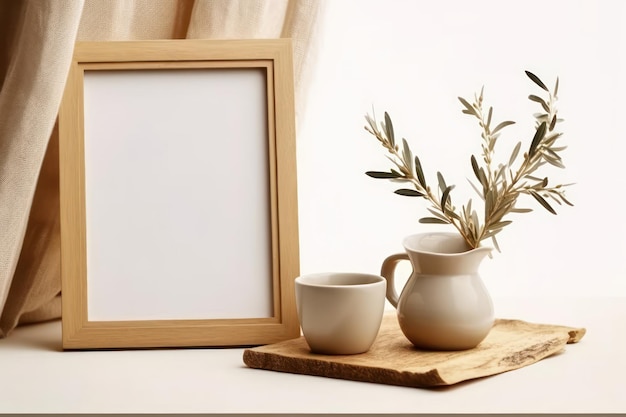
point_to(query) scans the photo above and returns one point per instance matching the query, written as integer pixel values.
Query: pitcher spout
(443, 253)
(478, 254)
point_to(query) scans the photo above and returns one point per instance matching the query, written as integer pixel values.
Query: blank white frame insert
(157, 230)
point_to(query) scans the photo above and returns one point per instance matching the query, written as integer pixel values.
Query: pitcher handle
(388, 272)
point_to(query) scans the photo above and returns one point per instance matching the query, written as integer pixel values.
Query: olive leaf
(565, 200)
(542, 201)
(536, 80)
(556, 87)
(433, 220)
(468, 107)
(480, 173)
(445, 197)
(515, 153)
(419, 172)
(539, 135)
(382, 175)
(407, 155)
(541, 101)
(389, 129)
(408, 192)
(502, 126)
(553, 123)
(441, 181)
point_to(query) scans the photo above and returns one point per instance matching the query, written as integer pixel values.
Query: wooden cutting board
(392, 359)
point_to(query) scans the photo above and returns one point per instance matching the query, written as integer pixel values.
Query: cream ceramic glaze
(444, 304)
(340, 313)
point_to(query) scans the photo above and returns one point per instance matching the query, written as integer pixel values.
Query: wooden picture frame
(178, 194)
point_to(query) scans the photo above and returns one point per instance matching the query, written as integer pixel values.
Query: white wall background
(412, 59)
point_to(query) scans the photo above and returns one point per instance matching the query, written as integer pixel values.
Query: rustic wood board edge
(330, 369)
(532, 343)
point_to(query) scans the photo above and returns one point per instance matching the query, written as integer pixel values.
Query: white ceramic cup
(340, 313)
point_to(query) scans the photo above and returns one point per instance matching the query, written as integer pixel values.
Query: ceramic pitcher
(444, 304)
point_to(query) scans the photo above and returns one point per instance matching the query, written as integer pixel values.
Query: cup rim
(300, 280)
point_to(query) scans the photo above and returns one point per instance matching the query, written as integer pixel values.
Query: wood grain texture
(393, 360)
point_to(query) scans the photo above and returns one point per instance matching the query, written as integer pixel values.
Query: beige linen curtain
(36, 44)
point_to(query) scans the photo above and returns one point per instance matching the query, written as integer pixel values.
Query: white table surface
(36, 376)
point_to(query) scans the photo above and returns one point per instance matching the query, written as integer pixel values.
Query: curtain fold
(34, 65)
(36, 45)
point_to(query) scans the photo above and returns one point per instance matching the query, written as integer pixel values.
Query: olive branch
(498, 186)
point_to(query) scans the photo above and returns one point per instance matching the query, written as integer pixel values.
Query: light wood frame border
(276, 56)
